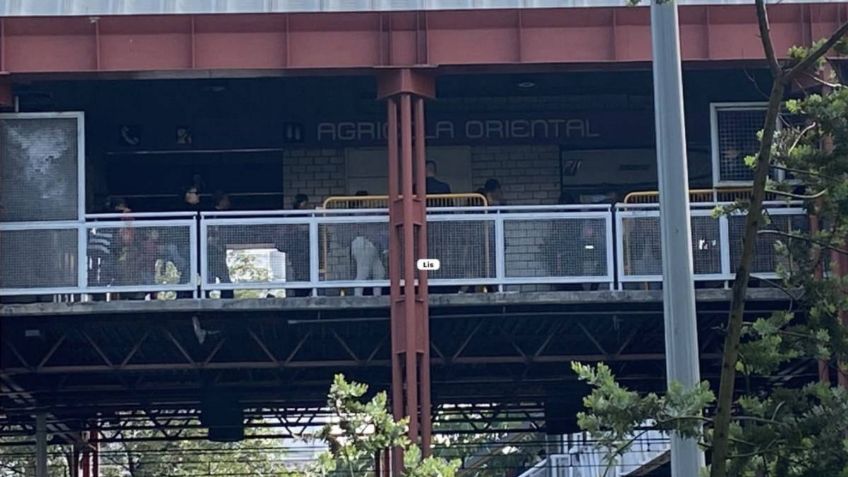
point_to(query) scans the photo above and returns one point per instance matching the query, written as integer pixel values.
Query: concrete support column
(41, 445)
(681, 331)
(405, 91)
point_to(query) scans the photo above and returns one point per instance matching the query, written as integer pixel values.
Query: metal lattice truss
(489, 366)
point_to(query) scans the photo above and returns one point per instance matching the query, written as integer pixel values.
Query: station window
(734, 128)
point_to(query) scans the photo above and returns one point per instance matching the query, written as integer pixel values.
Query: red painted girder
(307, 41)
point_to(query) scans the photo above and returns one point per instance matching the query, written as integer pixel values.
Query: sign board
(429, 264)
(583, 129)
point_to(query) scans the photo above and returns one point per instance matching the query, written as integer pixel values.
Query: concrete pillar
(681, 332)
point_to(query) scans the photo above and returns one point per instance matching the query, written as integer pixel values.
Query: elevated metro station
(205, 211)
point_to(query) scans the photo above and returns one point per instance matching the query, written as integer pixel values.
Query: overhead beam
(364, 40)
(296, 308)
(464, 360)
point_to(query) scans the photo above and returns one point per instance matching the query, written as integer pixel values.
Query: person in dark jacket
(217, 250)
(298, 248)
(190, 203)
(434, 185)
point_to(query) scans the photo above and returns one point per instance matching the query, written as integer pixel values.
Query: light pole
(681, 333)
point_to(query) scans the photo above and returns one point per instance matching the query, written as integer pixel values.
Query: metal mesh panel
(44, 258)
(242, 253)
(138, 255)
(556, 248)
(737, 138)
(766, 258)
(354, 251)
(465, 248)
(38, 169)
(641, 246)
(706, 245)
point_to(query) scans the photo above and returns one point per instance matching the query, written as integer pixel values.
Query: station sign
(429, 264)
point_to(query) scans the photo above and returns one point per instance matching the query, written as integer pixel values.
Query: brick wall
(529, 175)
(318, 173)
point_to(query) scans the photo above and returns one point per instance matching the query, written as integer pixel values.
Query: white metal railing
(497, 247)
(108, 253)
(716, 242)
(347, 248)
(147, 252)
(588, 460)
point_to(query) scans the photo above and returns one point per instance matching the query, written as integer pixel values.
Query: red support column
(94, 441)
(405, 91)
(85, 463)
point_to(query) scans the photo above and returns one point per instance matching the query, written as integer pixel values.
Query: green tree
(361, 430)
(189, 455)
(19, 460)
(781, 431)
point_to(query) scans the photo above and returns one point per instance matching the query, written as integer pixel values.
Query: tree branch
(754, 83)
(817, 195)
(798, 171)
(816, 54)
(763, 23)
(822, 82)
(813, 241)
(803, 133)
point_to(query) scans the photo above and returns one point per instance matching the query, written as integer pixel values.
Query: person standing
(434, 185)
(493, 192)
(217, 248)
(190, 203)
(299, 248)
(101, 260)
(367, 249)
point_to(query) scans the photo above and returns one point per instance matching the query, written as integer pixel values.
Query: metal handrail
(382, 201)
(623, 212)
(731, 194)
(508, 267)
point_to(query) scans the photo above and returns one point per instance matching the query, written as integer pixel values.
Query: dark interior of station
(145, 139)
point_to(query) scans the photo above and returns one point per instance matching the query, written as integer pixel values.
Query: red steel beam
(405, 91)
(309, 41)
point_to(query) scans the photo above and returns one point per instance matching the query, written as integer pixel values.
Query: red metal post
(422, 295)
(395, 267)
(405, 91)
(85, 463)
(94, 441)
